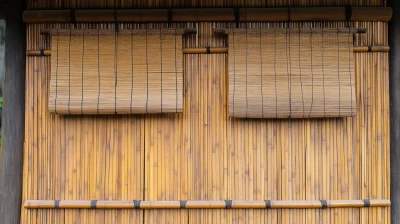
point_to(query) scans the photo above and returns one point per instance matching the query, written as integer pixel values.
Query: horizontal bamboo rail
(209, 15)
(220, 50)
(227, 204)
(226, 31)
(55, 32)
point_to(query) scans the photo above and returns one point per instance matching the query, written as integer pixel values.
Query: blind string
(246, 73)
(55, 103)
(98, 69)
(323, 70)
(289, 70)
(234, 71)
(276, 93)
(161, 72)
(132, 69)
(312, 72)
(176, 78)
(147, 76)
(261, 83)
(116, 66)
(351, 85)
(83, 56)
(69, 71)
(338, 52)
(301, 78)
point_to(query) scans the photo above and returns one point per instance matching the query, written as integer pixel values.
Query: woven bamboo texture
(202, 153)
(298, 73)
(110, 72)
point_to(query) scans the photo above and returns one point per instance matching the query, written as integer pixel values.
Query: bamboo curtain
(116, 72)
(299, 73)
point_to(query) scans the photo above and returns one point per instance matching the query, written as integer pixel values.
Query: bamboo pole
(96, 32)
(225, 204)
(209, 14)
(226, 31)
(220, 50)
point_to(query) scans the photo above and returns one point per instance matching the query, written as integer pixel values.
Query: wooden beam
(394, 92)
(210, 15)
(11, 154)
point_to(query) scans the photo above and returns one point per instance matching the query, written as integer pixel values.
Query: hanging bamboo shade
(116, 72)
(299, 73)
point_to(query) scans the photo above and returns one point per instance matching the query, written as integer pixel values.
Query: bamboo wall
(202, 154)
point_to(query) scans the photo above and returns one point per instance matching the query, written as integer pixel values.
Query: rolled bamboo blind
(116, 71)
(299, 73)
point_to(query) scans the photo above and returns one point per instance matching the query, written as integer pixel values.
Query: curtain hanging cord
(161, 72)
(338, 52)
(323, 70)
(261, 83)
(234, 71)
(83, 65)
(301, 78)
(131, 70)
(147, 76)
(312, 72)
(98, 69)
(116, 26)
(55, 101)
(69, 72)
(289, 62)
(276, 93)
(176, 78)
(247, 51)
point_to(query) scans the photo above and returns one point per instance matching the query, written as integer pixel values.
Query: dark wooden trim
(209, 15)
(394, 83)
(11, 154)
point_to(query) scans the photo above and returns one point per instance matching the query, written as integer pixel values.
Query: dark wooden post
(394, 84)
(11, 154)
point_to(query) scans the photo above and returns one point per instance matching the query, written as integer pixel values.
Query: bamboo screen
(116, 72)
(300, 73)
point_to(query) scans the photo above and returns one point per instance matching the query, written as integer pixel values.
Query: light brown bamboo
(209, 15)
(202, 154)
(236, 204)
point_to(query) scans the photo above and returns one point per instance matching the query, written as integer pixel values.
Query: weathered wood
(11, 154)
(394, 83)
(210, 14)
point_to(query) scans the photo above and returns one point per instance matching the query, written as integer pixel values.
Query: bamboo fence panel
(297, 73)
(202, 154)
(116, 72)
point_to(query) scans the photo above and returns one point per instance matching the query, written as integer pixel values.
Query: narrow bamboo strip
(210, 15)
(191, 204)
(222, 50)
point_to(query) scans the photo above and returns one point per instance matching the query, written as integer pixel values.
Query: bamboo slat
(108, 72)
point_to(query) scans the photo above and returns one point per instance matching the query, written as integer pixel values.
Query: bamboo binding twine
(116, 71)
(184, 204)
(298, 73)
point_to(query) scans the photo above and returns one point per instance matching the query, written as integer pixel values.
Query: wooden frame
(11, 155)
